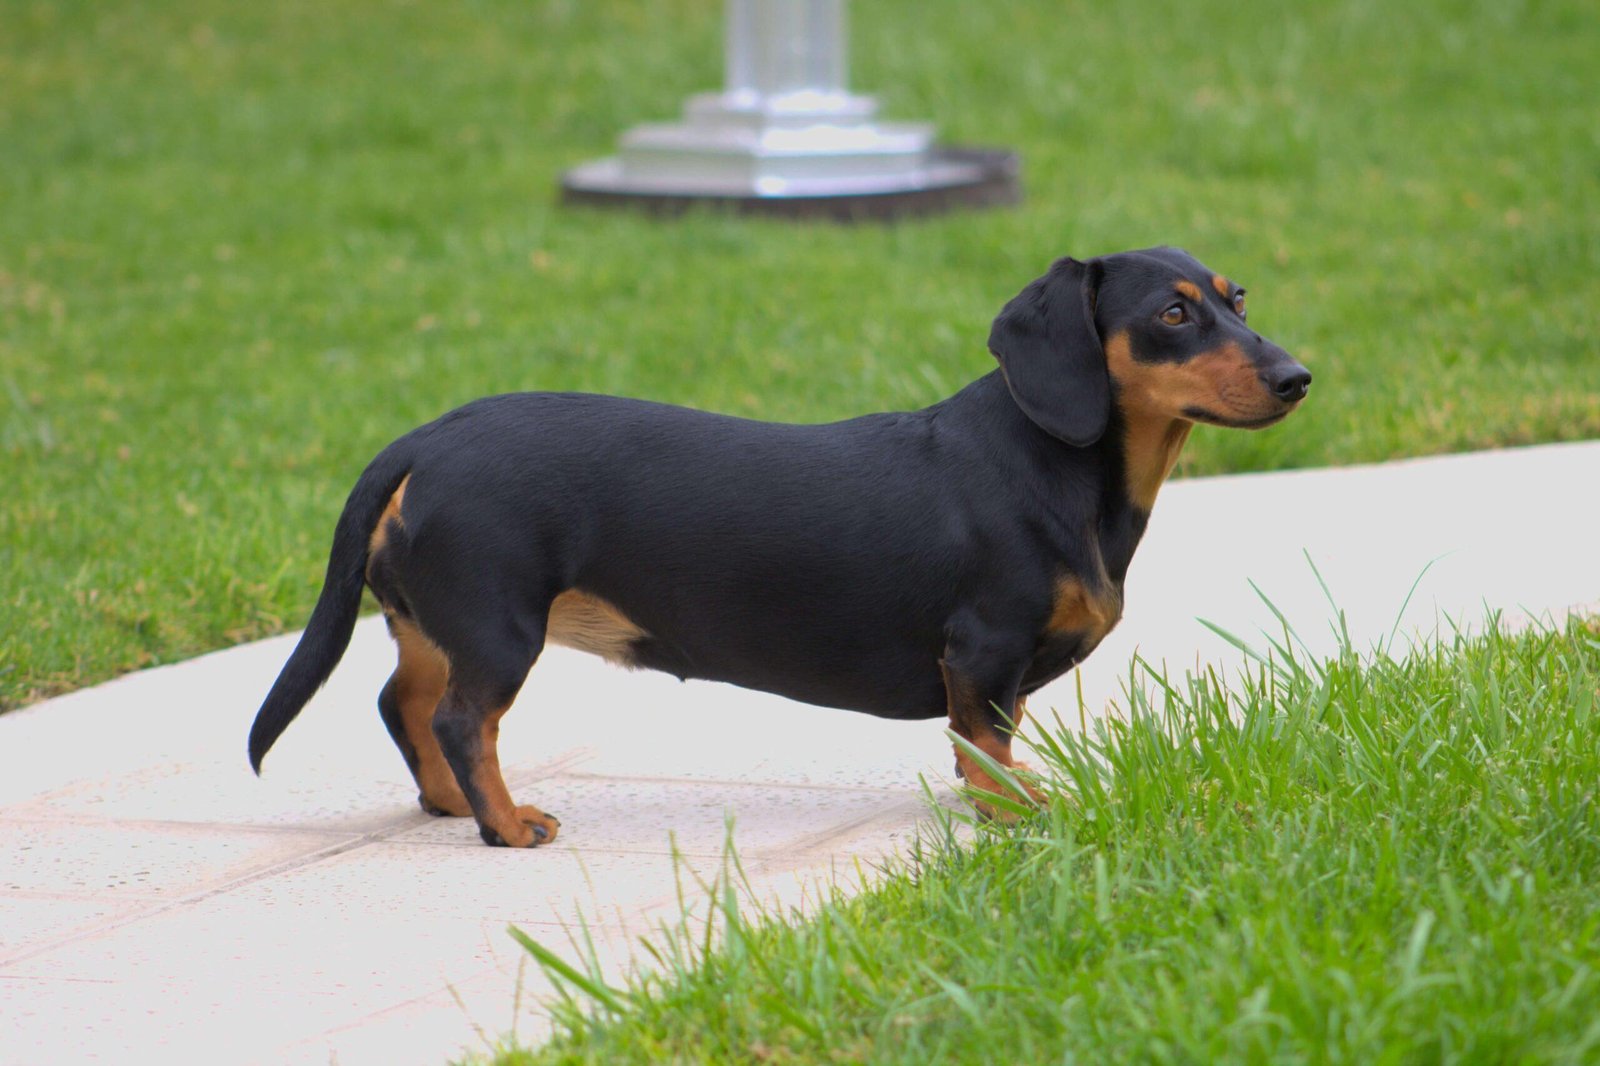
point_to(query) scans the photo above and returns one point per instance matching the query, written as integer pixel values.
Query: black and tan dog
(947, 561)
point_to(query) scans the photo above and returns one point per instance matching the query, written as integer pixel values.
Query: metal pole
(785, 127)
(785, 46)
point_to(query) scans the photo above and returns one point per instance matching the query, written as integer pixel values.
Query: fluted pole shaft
(777, 47)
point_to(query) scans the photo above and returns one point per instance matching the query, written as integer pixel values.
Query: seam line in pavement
(720, 782)
(348, 842)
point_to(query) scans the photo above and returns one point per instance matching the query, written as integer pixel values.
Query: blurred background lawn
(243, 246)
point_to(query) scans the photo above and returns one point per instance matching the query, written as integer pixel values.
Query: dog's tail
(333, 619)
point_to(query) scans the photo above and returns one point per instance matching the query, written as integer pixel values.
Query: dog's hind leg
(407, 704)
(480, 689)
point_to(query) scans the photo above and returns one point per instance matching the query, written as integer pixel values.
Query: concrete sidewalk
(158, 900)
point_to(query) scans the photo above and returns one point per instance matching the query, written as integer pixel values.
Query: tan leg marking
(515, 825)
(970, 719)
(420, 681)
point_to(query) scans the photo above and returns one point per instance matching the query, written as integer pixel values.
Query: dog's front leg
(982, 671)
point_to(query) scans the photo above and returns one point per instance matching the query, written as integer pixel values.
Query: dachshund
(941, 562)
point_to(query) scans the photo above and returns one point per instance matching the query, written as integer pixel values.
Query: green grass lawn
(244, 245)
(1390, 861)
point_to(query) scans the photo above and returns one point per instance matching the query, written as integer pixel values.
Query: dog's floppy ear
(1051, 356)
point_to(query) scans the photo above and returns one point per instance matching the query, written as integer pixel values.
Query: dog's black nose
(1288, 381)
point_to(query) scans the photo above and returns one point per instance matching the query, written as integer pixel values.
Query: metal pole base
(947, 178)
(785, 137)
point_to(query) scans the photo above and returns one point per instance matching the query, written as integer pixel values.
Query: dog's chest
(1081, 614)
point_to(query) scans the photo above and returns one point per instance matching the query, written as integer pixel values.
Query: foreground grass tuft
(1362, 862)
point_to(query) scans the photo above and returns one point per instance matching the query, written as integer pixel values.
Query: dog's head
(1156, 331)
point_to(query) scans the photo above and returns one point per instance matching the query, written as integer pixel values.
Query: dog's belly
(870, 663)
(896, 681)
(812, 660)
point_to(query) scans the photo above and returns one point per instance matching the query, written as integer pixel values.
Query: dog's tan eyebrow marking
(1189, 289)
(1222, 285)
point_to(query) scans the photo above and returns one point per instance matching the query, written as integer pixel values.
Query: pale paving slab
(157, 898)
(170, 901)
(29, 921)
(148, 861)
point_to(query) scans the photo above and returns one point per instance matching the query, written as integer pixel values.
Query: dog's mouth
(1200, 414)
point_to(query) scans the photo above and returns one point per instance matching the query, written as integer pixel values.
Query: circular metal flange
(953, 178)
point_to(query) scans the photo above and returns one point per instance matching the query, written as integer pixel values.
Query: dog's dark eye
(1176, 315)
(1238, 302)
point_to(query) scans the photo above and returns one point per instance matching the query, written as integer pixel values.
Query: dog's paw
(545, 826)
(533, 828)
(978, 784)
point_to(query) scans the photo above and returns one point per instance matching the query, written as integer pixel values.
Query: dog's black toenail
(541, 832)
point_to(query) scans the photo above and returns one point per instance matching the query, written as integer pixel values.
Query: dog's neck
(1126, 466)
(1150, 446)
(1138, 450)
